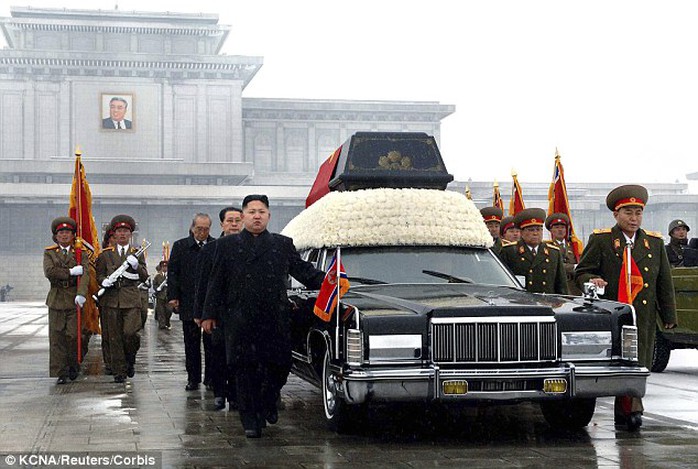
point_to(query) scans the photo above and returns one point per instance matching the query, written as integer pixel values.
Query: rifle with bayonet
(119, 272)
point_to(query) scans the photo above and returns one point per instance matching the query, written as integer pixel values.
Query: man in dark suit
(117, 112)
(247, 290)
(181, 291)
(601, 263)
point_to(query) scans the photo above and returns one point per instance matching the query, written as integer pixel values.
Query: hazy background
(611, 84)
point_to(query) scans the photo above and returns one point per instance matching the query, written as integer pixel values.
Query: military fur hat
(630, 195)
(491, 214)
(677, 224)
(63, 223)
(529, 217)
(557, 219)
(122, 221)
(507, 222)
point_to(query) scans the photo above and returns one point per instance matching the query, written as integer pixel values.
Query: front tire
(662, 353)
(341, 417)
(570, 414)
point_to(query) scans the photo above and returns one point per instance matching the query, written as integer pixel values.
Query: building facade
(192, 143)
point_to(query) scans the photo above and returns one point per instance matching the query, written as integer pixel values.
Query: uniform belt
(124, 282)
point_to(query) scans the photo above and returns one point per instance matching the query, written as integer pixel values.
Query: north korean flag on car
(333, 288)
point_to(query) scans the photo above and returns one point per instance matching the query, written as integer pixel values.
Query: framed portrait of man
(117, 111)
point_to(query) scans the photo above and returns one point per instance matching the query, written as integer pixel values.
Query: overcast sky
(612, 84)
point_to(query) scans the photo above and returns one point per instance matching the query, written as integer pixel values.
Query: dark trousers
(258, 388)
(192, 351)
(223, 376)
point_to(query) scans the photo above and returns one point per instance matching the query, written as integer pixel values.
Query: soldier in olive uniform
(601, 264)
(559, 224)
(121, 302)
(509, 231)
(63, 271)
(163, 311)
(541, 263)
(678, 234)
(493, 218)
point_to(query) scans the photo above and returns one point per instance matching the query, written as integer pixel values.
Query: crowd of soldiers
(553, 267)
(230, 292)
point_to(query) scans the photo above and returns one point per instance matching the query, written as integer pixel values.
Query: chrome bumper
(420, 384)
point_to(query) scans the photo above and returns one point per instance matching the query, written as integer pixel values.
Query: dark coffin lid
(390, 160)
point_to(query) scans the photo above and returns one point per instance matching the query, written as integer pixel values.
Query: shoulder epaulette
(51, 248)
(552, 246)
(654, 234)
(108, 248)
(602, 230)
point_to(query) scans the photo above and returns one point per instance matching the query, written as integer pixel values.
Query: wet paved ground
(153, 414)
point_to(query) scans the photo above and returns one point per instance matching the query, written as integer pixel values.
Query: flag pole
(78, 246)
(339, 278)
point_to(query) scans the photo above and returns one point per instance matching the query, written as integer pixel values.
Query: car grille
(493, 340)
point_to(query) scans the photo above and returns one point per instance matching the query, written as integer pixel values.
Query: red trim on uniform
(628, 202)
(492, 218)
(558, 221)
(122, 224)
(531, 222)
(65, 226)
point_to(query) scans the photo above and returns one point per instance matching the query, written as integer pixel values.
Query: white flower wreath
(389, 217)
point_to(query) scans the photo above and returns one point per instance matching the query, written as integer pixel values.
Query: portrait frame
(128, 123)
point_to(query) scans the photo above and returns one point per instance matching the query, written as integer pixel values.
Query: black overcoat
(247, 288)
(182, 275)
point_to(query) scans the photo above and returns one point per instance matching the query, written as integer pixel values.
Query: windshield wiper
(367, 281)
(449, 277)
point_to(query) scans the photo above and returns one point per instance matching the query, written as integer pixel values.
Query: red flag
(559, 203)
(516, 204)
(630, 282)
(321, 185)
(497, 197)
(80, 210)
(331, 290)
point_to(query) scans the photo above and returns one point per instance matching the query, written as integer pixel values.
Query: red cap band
(628, 202)
(65, 226)
(531, 222)
(492, 218)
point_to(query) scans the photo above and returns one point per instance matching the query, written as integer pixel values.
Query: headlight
(629, 343)
(586, 345)
(395, 347)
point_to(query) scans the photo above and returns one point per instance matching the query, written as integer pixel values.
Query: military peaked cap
(557, 218)
(677, 224)
(122, 221)
(491, 214)
(507, 222)
(529, 217)
(63, 223)
(630, 195)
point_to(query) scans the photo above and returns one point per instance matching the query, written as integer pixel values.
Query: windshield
(423, 264)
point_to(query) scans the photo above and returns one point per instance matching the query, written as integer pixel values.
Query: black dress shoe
(219, 403)
(130, 370)
(253, 433)
(272, 416)
(62, 380)
(73, 374)
(634, 421)
(191, 386)
(119, 379)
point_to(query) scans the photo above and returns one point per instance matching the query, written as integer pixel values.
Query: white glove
(106, 283)
(132, 261)
(80, 300)
(75, 271)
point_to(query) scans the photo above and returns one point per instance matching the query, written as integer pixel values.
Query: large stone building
(194, 143)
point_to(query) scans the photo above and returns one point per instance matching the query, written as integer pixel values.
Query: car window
(406, 264)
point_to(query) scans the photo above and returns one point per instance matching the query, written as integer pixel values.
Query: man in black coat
(181, 291)
(247, 290)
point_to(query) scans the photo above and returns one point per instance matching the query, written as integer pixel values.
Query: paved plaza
(153, 415)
